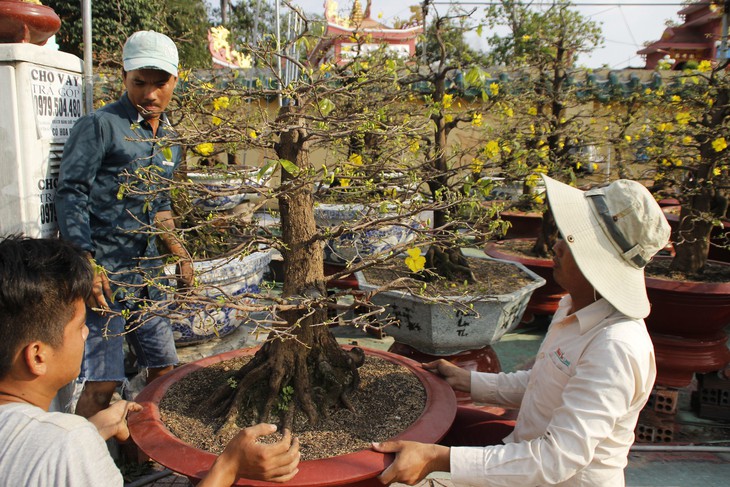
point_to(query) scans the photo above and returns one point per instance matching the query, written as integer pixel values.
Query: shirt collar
(590, 316)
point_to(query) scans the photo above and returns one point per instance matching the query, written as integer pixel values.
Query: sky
(627, 24)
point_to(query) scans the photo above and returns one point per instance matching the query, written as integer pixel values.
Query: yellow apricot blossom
(494, 89)
(355, 159)
(205, 149)
(532, 111)
(491, 149)
(221, 103)
(252, 133)
(683, 118)
(447, 101)
(415, 261)
(704, 66)
(476, 120)
(719, 144)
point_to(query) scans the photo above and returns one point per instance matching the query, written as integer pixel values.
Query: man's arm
(112, 421)
(165, 221)
(244, 456)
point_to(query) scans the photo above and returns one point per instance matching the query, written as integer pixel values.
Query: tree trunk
(308, 358)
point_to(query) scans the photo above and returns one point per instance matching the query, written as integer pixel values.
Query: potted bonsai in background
(690, 295)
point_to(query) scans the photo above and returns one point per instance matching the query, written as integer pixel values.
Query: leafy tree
(185, 21)
(547, 123)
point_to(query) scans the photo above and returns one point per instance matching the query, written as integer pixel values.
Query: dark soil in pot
(388, 400)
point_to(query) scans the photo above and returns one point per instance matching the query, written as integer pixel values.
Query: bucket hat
(612, 232)
(147, 49)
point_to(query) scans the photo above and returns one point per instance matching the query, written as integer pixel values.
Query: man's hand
(101, 289)
(244, 456)
(112, 421)
(458, 378)
(413, 461)
(185, 275)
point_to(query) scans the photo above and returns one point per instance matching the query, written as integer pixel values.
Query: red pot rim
(691, 287)
(155, 440)
(493, 249)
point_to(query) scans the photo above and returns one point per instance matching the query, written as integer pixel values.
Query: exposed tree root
(449, 264)
(313, 377)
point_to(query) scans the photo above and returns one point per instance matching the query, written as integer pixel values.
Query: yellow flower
(627, 138)
(344, 182)
(324, 67)
(716, 171)
(221, 103)
(476, 165)
(719, 144)
(448, 118)
(704, 66)
(664, 127)
(205, 149)
(415, 261)
(252, 133)
(355, 159)
(594, 166)
(525, 38)
(414, 146)
(509, 112)
(215, 120)
(647, 91)
(683, 118)
(532, 111)
(447, 101)
(207, 86)
(491, 149)
(686, 140)
(494, 89)
(476, 120)
(676, 98)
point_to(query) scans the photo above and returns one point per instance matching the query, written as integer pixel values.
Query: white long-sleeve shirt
(579, 405)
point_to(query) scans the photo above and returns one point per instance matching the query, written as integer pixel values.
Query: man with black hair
(43, 286)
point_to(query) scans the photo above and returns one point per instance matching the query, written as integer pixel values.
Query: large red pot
(357, 469)
(27, 22)
(523, 224)
(687, 322)
(545, 299)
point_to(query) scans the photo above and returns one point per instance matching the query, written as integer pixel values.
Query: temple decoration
(223, 55)
(346, 37)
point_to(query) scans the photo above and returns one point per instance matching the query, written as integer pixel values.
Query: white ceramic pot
(218, 277)
(443, 329)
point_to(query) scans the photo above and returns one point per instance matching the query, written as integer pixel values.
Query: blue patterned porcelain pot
(353, 246)
(223, 190)
(219, 278)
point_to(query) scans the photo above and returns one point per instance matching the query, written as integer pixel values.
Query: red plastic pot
(523, 224)
(357, 469)
(687, 323)
(27, 22)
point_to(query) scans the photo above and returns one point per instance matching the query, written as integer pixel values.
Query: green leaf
(326, 106)
(289, 167)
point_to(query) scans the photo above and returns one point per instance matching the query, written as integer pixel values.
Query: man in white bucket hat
(594, 372)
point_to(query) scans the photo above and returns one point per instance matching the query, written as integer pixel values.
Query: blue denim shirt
(103, 152)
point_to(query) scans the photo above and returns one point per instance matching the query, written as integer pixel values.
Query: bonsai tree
(358, 108)
(687, 144)
(545, 123)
